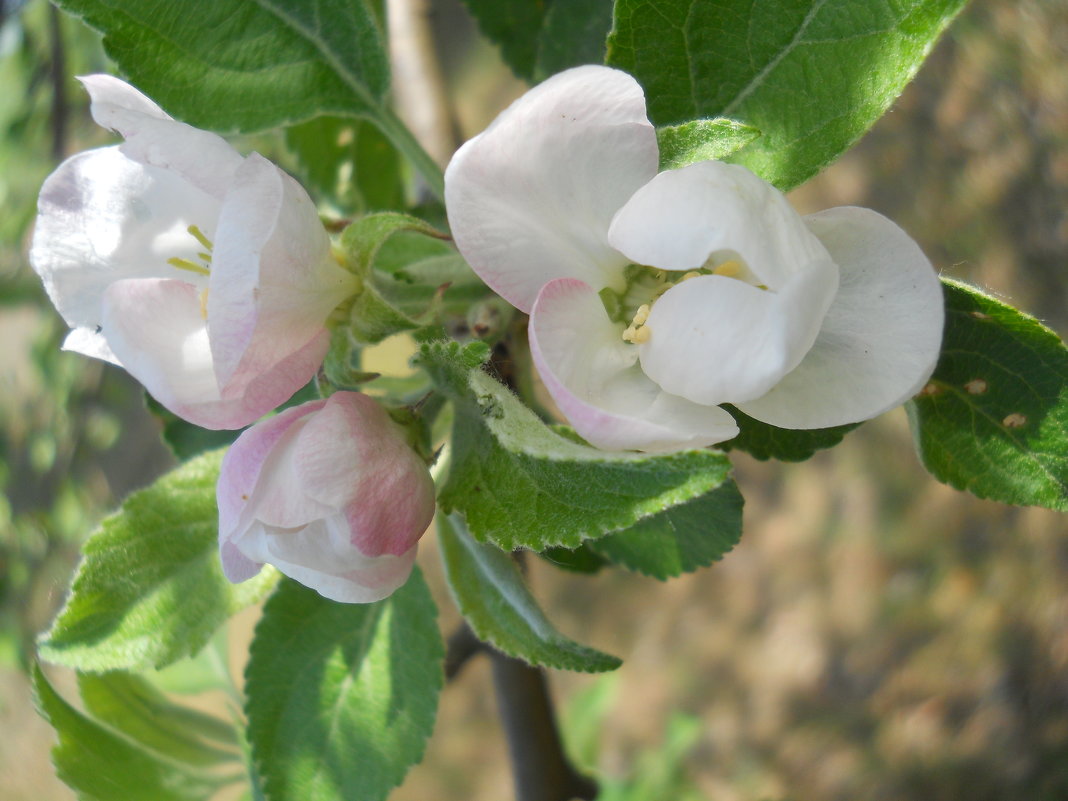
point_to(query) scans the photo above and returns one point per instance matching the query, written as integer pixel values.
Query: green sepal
(372, 318)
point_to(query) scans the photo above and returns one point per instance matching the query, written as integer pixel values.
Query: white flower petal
(319, 556)
(682, 217)
(592, 375)
(155, 329)
(530, 199)
(881, 337)
(273, 280)
(103, 217)
(718, 340)
(245, 462)
(88, 342)
(152, 137)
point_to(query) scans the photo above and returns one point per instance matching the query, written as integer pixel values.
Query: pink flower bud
(329, 493)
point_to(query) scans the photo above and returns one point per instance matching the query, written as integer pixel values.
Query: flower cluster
(209, 277)
(656, 298)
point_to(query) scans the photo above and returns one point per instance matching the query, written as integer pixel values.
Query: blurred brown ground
(875, 635)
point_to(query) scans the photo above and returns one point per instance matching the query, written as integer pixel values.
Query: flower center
(644, 285)
(203, 268)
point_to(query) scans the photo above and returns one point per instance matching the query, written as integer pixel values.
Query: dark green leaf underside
(492, 596)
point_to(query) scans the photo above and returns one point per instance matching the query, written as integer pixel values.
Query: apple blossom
(206, 275)
(330, 493)
(654, 298)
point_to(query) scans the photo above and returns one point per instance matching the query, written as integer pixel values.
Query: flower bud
(330, 494)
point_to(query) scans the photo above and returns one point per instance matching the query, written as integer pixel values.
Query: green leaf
(132, 706)
(522, 485)
(811, 75)
(993, 420)
(764, 441)
(342, 697)
(513, 25)
(573, 33)
(150, 588)
(236, 65)
(582, 559)
(239, 65)
(349, 162)
(100, 765)
(680, 539)
(540, 37)
(701, 140)
(184, 439)
(492, 596)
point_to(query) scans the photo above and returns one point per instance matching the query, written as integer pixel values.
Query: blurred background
(875, 635)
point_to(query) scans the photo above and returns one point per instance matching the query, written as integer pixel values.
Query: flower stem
(405, 142)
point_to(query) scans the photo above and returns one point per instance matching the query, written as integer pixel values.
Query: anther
(641, 315)
(728, 269)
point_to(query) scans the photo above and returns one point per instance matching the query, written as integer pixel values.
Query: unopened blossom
(655, 298)
(207, 275)
(330, 493)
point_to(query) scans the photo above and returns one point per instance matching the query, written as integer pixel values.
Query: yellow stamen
(204, 304)
(191, 266)
(689, 275)
(198, 235)
(205, 257)
(728, 269)
(641, 335)
(641, 315)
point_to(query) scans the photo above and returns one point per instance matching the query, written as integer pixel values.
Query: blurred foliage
(875, 635)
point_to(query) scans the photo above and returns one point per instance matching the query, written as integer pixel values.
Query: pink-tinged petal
(273, 280)
(156, 330)
(353, 457)
(320, 556)
(717, 340)
(880, 338)
(595, 380)
(531, 198)
(236, 566)
(102, 218)
(682, 217)
(152, 137)
(244, 463)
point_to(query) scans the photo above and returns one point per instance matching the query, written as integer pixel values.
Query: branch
(461, 646)
(419, 88)
(540, 767)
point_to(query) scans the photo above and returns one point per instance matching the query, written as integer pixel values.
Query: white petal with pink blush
(205, 274)
(330, 493)
(656, 299)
